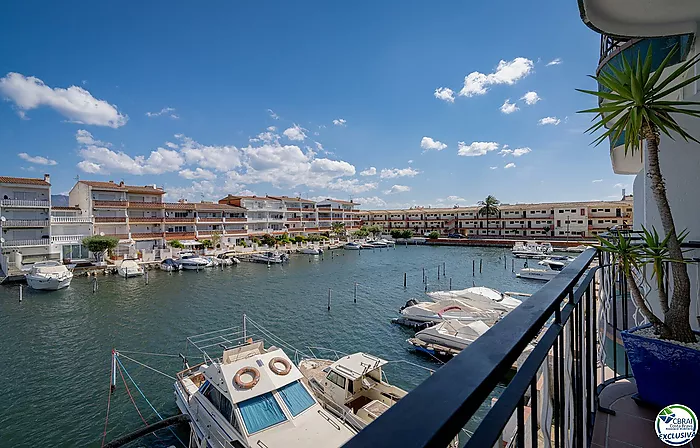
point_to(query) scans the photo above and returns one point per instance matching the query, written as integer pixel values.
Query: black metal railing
(556, 381)
(609, 45)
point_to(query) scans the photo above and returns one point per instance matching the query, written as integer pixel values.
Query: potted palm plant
(663, 354)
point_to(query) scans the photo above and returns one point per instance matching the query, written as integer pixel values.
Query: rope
(148, 353)
(109, 401)
(131, 397)
(144, 365)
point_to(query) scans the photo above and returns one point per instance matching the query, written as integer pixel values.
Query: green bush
(433, 235)
(176, 244)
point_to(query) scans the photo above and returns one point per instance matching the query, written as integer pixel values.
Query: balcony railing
(146, 235)
(177, 235)
(135, 219)
(108, 219)
(143, 204)
(26, 243)
(170, 219)
(556, 381)
(210, 219)
(71, 220)
(67, 238)
(118, 204)
(610, 44)
(236, 219)
(24, 203)
(25, 223)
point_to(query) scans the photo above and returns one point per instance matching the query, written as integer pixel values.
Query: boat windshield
(261, 412)
(296, 397)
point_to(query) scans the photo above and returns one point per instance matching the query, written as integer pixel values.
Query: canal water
(55, 347)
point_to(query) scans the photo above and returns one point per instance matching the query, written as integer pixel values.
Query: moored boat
(311, 251)
(169, 265)
(479, 295)
(49, 276)
(544, 275)
(531, 249)
(352, 246)
(129, 268)
(269, 257)
(449, 337)
(227, 259)
(191, 261)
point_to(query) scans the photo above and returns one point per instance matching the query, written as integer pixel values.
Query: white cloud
(410, 162)
(273, 115)
(476, 148)
(171, 145)
(397, 189)
(517, 152)
(271, 128)
(428, 143)
(219, 158)
(445, 94)
(339, 122)
(74, 103)
(451, 200)
(352, 186)
(295, 133)
(197, 173)
(371, 171)
(531, 98)
(164, 111)
(555, 61)
(371, 202)
(508, 107)
(620, 185)
(493, 167)
(102, 160)
(596, 181)
(549, 120)
(39, 160)
(507, 72)
(510, 165)
(392, 173)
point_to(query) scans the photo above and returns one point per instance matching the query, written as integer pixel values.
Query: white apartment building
(265, 215)
(68, 228)
(25, 225)
(334, 210)
(301, 215)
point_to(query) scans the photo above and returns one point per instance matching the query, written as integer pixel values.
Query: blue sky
(313, 97)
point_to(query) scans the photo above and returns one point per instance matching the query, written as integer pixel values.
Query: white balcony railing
(26, 243)
(71, 220)
(24, 203)
(25, 223)
(67, 238)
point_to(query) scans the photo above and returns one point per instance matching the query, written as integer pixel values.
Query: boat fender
(250, 384)
(277, 360)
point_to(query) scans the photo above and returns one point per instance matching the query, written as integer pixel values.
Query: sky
(388, 103)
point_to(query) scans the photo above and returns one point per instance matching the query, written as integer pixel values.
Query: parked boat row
(369, 244)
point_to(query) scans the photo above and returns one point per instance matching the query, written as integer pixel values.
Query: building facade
(549, 220)
(68, 228)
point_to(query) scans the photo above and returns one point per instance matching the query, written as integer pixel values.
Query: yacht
(129, 268)
(269, 257)
(311, 251)
(49, 276)
(367, 245)
(227, 259)
(377, 243)
(449, 337)
(481, 295)
(352, 246)
(551, 266)
(169, 265)
(191, 261)
(556, 263)
(351, 387)
(254, 397)
(578, 249)
(531, 249)
(389, 243)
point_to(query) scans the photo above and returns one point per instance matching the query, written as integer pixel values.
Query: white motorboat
(49, 276)
(578, 249)
(544, 275)
(311, 251)
(352, 246)
(556, 263)
(227, 259)
(480, 296)
(448, 309)
(191, 261)
(129, 268)
(377, 243)
(351, 387)
(253, 397)
(452, 334)
(531, 249)
(169, 265)
(367, 245)
(269, 257)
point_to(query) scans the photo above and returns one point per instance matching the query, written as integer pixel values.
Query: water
(55, 347)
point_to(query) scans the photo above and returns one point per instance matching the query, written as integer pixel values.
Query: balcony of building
(71, 220)
(9, 223)
(109, 219)
(175, 219)
(145, 219)
(24, 203)
(179, 235)
(34, 242)
(627, 18)
(110, 204)
(64, 239)
(146, 235)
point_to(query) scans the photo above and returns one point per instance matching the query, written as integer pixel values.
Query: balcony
(179, 235)
(235, 232)
(187, 220)
(293, 209)
(111, 204)
(110, 219)
(25, 223)
(146, 235)
(294, 219)
(210, 219)
(146, 205)
(26, 243)
(145, 219)
(67, 238)
(237, 219)
(24, 203)
(71, 220)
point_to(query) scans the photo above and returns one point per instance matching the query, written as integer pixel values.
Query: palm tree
(635, 107)
(338, 228)
(488, 207)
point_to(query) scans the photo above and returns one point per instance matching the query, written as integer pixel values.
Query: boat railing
(220, 340)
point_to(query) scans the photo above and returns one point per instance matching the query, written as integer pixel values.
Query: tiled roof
(224, 207)
(65, 208)
(340, 201)
(287, 198)
(122, 187)
(23, 181)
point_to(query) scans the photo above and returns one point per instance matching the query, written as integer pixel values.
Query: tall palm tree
(338, 228)
(635, 106)
(488, 207)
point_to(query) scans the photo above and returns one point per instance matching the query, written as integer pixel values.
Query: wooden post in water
(145, 274)
(404, 281)
(94, 285)
(20, 293)
(113, 383)
(426, 286)
(480, 263)
(424, 275)
(438, 272)
(329, 299)
(473, 267)
(450, 283)
(443, 268)
(505, 261)
(512, 265)
(355, 293)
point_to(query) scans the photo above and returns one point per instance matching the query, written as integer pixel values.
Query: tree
(488, 207)
(360, 233)
(98, 245)
(375, 230)
(176, 244)
(396, 233)
(268, 240)
(433, 235)
(216, 239)
(208, 244)
(632, 105)
(338, 228)
(547, 229)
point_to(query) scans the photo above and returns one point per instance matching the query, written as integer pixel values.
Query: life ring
(250, 384)
(273, 366)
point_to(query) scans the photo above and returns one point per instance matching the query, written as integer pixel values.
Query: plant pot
(666, 373)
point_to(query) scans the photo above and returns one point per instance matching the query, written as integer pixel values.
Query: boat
(253, 397)
(578, 249)
(191, 261)
(49, 276)
(367, 245)
(449, 337)
(481, 295)
(352, 387)
(129, 268)
(389, 243)
(227, 259)
(447, 309)
(352, 246)
(311, 251)
(556, 263)
(544, 275)
(377, 243)
(531, 249)
(169, 265)
(269, 257)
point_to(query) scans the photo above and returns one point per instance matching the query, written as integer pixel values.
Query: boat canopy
(357, 365)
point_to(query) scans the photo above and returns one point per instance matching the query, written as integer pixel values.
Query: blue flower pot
(665, 373)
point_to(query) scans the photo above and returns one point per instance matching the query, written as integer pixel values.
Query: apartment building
(25, 225)
(301, 215)
(68, 228)
(265, 215)
(558, 220)
(334, 210)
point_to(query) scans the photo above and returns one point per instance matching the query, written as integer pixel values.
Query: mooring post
(438, 272)
(450, 283)
(355, 293)
(426, 286)
(443, 268)
(423, 274)
(94, 285)
(329, 299)
(114, 371)
(404, 280)
(512, 265)
(146, 276)
(505, 261)
(480, 263)
(20, 293)
(473, 267)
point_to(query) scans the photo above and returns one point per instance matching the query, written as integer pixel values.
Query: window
(561, 233)
(607, 210)
(181, 214)
(75, 252)
(558, 222)
(219, 401)
(583, 212)
(580, 221)
(561, 211)
(336, 379)
(600, 221)
(296, 397)
(593, 210)
(261, 412)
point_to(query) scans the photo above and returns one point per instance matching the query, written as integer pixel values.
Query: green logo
(676, 425)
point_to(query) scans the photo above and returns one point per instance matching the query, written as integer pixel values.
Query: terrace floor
(632, 425)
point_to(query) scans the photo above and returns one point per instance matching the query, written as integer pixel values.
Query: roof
(23, 181)
(355, 366)
(508, 207)
(213, 206)
(287, 198)
(339, 201)
(76, 208)
(111, 185)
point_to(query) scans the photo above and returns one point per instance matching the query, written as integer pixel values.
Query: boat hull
(537, 274)
(48, 284)
(193, 267)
